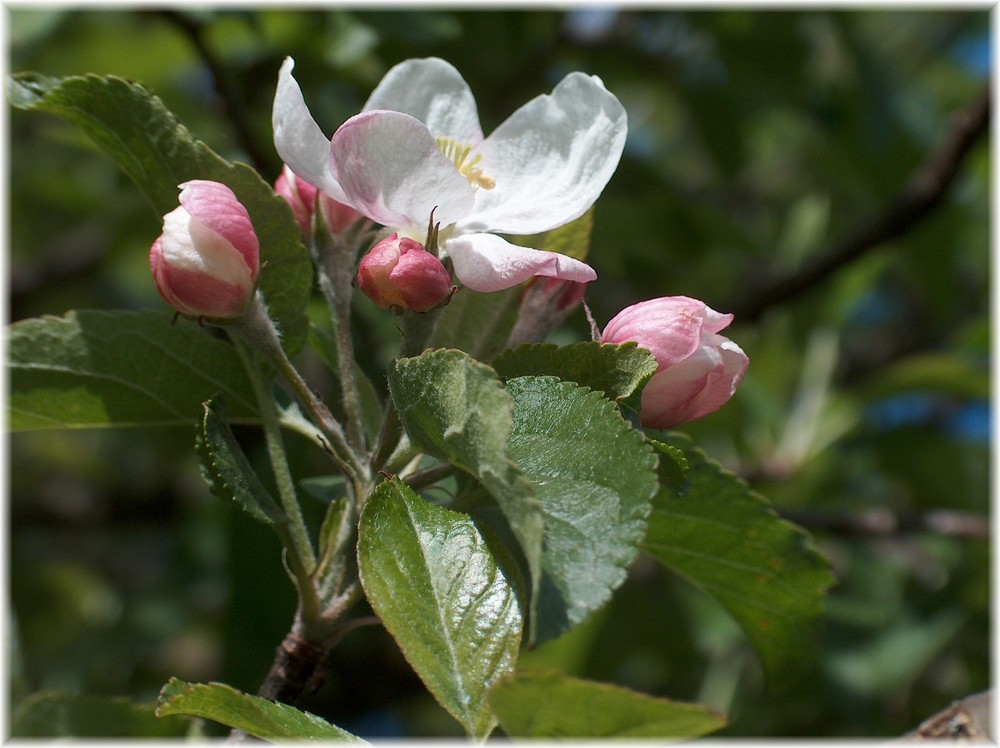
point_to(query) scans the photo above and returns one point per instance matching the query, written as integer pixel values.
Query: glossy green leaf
(456, 408)
(728, 540)
(93, 368)
(596, 477)
(435, 584)
(546, 705)
(226, 469)
(59, 715)
(619, 371)
(132, 126)
(254, 715)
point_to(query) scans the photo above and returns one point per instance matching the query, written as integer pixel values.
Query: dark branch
(232, 102)
(913, 203)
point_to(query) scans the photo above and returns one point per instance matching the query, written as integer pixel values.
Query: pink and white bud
(698, 370)
(302, 197)
(206, 261)
(399, 272)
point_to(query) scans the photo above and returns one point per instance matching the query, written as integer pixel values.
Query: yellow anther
(458, 153)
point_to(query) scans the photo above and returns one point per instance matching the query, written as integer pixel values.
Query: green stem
(334, 258)
(293, 534)
(257, 329)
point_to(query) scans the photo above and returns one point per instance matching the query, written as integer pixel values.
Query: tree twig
(924, 191)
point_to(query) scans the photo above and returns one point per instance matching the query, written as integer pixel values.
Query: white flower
(417, 146)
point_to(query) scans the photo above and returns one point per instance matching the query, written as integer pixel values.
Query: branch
(913, 203)
(967, 720)
(231, 101)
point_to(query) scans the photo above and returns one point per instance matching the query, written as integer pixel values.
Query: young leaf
(477, 323)
(546, 705)
(433, 581)
(728, 540)
(253, 715)
(226, 469)
(56, 715)
(93, 368)
(619, 371)
(144, 138)
(456, 408)
(595, 476)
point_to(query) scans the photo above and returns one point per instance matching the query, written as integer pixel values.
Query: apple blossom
(698, 370)
(301, 196)
(399, 272)
(417, 147)
(206, 261)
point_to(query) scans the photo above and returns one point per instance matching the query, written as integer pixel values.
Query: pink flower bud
(400, 272)
(698, 369)
(302, 197)
(206, 261)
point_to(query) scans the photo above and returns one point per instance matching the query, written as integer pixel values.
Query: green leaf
(456, 408)
(595, 476)
(57, 715)
(144, 138)
(543, 705)
(254, 715)
(477, 323)
(619, 371)
(728, 540)
(433, 581)
(571, 239)
(93, 368)
(226, 469)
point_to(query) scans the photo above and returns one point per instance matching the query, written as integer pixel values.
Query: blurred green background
(758, 140)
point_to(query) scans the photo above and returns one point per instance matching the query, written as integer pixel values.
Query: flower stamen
(458, 153)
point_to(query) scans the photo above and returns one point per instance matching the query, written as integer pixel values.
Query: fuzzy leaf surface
(226, 469)
(619, 371)
(595, 476)
(456, 408)
(121, 368)
(435, 584)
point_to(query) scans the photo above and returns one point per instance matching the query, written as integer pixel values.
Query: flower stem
(257, 329)
(334, 258)
(293, 533)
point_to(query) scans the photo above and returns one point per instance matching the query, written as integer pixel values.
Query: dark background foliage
(760, 142)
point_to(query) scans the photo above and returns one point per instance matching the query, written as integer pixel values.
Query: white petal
(298, 139)
(484, 262)
(551, 159)
(188, 244)
(435, 93)
(392, 171)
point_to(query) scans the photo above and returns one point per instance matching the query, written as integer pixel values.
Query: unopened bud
(698, 370)
(399, 272)
(302, 197)
(206, 261)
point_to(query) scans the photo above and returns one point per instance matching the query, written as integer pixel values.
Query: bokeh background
(759, 142)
